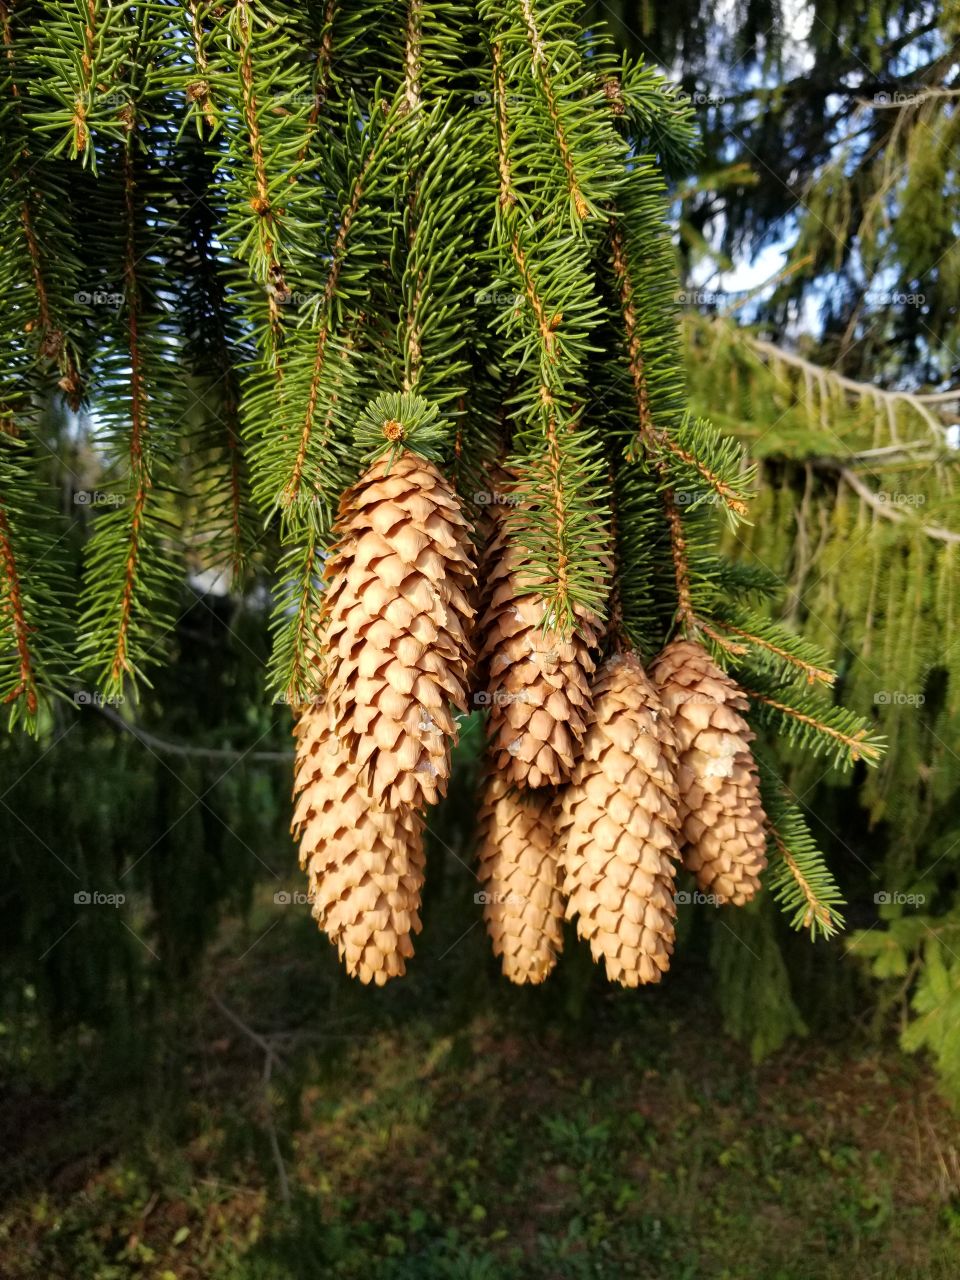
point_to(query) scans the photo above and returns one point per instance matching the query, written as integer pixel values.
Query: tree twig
(184, 748)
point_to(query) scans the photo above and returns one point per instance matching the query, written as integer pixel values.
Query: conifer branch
(812, 726)
(815, 913)
(799, 878)
(291, 493)
(51, 341)
(810, 670)
(321, 76)
(198, 91)
(541, 71)
(260, 202)
(889, 512)
(11, 605)
(648, 435)
(508, 196)
(412, 54)
(139, 424)
(81, 136)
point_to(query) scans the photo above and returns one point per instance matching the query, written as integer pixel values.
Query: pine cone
(537, 682)
(398, 619)
(723, 819)
(364, 865)
(620, 826)
(519, 870)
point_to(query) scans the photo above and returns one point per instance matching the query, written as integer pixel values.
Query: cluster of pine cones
(597, 781)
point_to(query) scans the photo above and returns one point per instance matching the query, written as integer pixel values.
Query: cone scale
(723, 821)
(620, 828)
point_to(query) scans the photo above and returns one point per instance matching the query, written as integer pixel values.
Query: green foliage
(753, 983)
(310, 222)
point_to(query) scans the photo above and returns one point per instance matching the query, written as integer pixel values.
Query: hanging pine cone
(364, 865)
(723, 819)
(398, 620)
(620, 828)
(519, 871)
(537, 681)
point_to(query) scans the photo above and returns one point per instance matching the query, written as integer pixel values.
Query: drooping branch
(13, 607)
(260, 202)
(139, 417)
(811, 670)
(541, 71)
(891, 512)
(857, 743)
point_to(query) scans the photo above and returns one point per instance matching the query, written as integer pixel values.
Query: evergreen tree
(351, 296)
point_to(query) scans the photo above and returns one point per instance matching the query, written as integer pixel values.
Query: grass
(468, 1131)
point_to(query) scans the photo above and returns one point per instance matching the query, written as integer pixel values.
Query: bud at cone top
(398, 618)
(519, 871)
(537, 681)
(721, 814)
(364, 865)
(620, 825)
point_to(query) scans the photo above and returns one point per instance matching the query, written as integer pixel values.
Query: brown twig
(14, 608)
(856, 742)
(541, 71)
(139, 420)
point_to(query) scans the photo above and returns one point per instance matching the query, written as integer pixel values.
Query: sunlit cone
(620, 828)
(364, 865)
(398, 621)
(519, 873)
(723, 819)
(535, 680)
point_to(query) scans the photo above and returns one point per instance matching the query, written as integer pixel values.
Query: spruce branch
(784, 649)
(815, 727)
(799, 878)
(541, 71)
(14, 611)
(33, 593)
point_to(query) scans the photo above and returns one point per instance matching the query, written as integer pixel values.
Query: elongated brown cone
(537, 681)
(398, 618)
(723, 819)
(364, 865)
(620, 825)
(519, 871)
